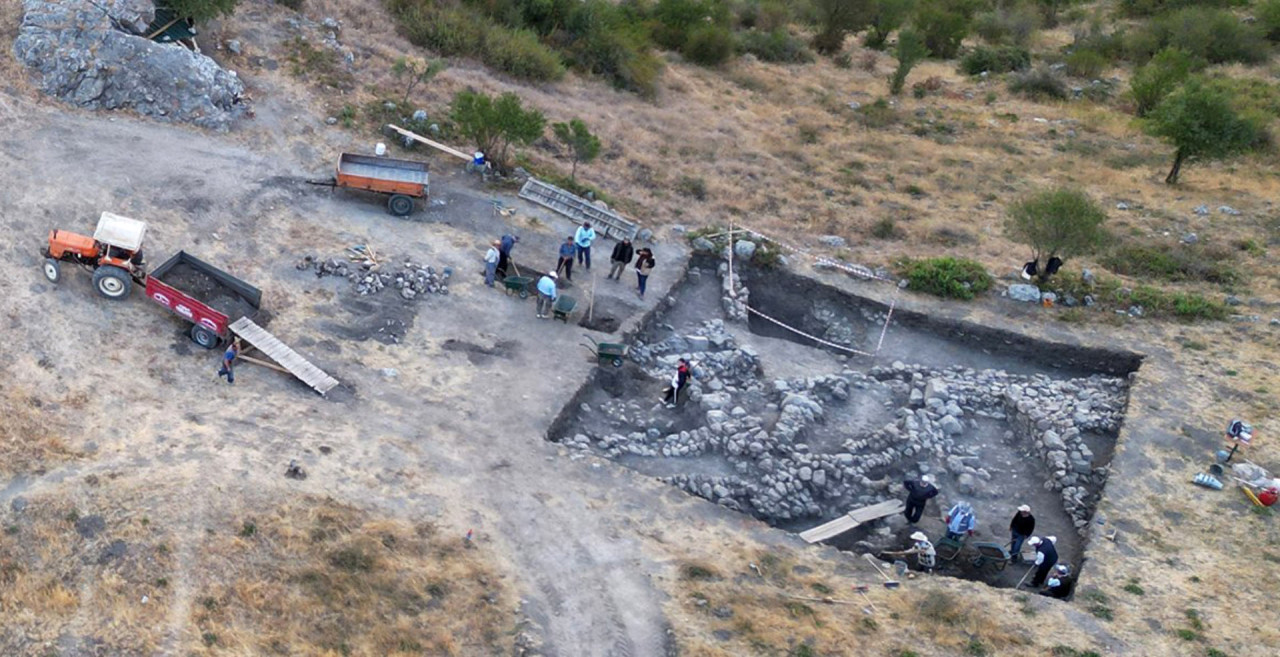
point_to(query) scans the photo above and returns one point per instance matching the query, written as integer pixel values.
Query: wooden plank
(434, 144)
(289, 359)
(852, 520)
(272, 366)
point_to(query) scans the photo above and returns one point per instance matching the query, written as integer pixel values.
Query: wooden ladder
(851, 520)
(281, 353)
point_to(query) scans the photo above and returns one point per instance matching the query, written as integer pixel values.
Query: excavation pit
(796, 432)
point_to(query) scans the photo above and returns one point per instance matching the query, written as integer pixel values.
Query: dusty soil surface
(208, 290)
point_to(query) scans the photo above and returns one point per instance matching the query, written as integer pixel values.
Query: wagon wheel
(524, 293)
(52, 270)
(203, 336)
(112, 282)
(617, 362)
(400, 205)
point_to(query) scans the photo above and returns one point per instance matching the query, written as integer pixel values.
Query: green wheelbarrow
(518, 284)
(607, 353)
(563, 305)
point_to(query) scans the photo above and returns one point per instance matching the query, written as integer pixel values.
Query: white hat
(1052, 539)
(1035, 540)
(552, 274)
(919, 536)
(1062, 568)
(928, 479)
(1025, 508)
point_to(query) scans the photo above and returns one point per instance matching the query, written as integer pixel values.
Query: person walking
(1046, 557)
(583, 239)
(1021, 528)
(919, 492)
(491, 262)
(644, 265)
(961, 521)
(679, 381)
(622, 254)
(565, 263)
(505, 244)
(229, 361)
(546, 294)
(1060, 583)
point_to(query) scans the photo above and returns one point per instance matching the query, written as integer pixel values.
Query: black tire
(617, 362)
(52, 270)
(204, 337)
(400, 205)
(524, 294)
(112, 282)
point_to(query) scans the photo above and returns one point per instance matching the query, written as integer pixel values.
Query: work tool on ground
(562, 307)
(1025, 576)
(608, 353)
(518, 284)
(889, 583)
(861, 589)
(402, 180)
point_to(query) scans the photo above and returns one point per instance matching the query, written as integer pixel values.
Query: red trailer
(209, 298)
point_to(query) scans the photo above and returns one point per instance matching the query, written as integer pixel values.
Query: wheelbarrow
(607, 353)
(518, 284)
(564, 304)
(991, 555)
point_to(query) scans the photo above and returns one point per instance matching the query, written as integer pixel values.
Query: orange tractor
(114, 253)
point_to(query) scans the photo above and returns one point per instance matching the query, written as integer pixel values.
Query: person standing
(1021, 528)
(622, 254)
(961, 521)
(644, 265)
(491, 262)
(583, 239)
(919, 493)
(565, 263)
(229, 361)
(679, 381)
(1046, 557)
(546, 294)
(505, 245)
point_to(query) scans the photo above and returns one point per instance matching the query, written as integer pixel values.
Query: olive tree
(1056, 223)
(836, 19)
(1200, 123)
(583, 146)
(494, 124)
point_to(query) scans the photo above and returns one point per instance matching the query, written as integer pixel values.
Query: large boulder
(88, 54)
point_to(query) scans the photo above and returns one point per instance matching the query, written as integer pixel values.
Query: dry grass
(29, 443)
(317, 577)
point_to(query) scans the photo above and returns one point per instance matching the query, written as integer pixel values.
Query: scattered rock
(1024, 292)
(834, 241)
(1189, 238)
(744, 249)
(19, 503)
(115, 550)
(90, 526)
(1228, 210)
(1201, 210)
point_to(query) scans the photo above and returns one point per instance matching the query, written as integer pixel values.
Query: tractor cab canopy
(120, 232)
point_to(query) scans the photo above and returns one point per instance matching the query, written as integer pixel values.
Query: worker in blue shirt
(546, 294)
(565, 263)
(229, 361)
(583, 238)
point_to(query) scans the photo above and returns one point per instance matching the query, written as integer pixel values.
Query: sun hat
(928, 479)
(552, 274)
(919, 536)
(1025, 508)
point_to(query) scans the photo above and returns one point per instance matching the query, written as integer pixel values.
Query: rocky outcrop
(90, 54)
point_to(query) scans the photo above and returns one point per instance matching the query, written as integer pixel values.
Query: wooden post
(733, 289)
(591, 300)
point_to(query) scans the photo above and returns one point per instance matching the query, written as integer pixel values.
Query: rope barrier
(811, 337)
(855, 269)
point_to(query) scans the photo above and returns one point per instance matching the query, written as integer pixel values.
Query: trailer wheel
(400, 205)
(112, 282)
(52, 270)
(203, 336)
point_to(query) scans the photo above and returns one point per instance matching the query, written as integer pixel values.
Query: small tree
(909, 52)
(1200, 123)
(1056, 223)
(493, 124)
(944, 25)
(200, 11)
(1151, 83)
(886, 16)
(413, 72)
(837, 18)
(583, 145)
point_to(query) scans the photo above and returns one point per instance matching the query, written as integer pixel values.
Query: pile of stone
(368, 277)
(735, 294)
(96, 55)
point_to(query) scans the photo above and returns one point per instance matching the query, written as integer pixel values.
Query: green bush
(1211, 35)
(1158, 78)
(519, 53)
(461, 32)
(776, 46)
(1000, 59)
(952, 278)
(1083, 63)
(1153, 7)
(1268, 15)
(1040, 83)
(1005, 25)
(709, 45)
(1173, 263)
(944, 25)
(675, 21)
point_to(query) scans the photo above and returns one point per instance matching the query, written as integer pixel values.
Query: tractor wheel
(52, 270)
(400, 205)
(112, 282)
(203, 336)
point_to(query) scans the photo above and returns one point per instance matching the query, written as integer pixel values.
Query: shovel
(888, 582)
(1024, 577)
(861, 589)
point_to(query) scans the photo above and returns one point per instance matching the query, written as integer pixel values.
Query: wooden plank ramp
(851, 520)
(281, 353)
(606, 222)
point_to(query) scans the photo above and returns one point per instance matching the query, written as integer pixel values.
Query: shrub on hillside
(1153, 7)
(462, 32)
(519, 53)
(1158, 78)
(944, 25)
(1000, 59)
(709, 45)
(1211, 35)
(952, 278)
(1268, 15)
(1040, 83)
(1084, 63)
(776, 46)
(1006, 25)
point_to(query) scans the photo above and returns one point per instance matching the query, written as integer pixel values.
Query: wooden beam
(273, 366)
(434, 144)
